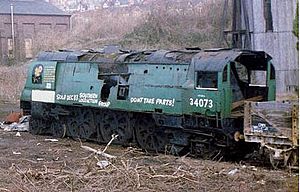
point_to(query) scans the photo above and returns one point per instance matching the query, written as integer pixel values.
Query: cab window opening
(258, 78)
(207, 79)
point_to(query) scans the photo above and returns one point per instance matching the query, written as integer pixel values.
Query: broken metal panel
(271, 122)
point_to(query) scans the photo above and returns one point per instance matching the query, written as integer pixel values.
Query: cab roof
(216, 60)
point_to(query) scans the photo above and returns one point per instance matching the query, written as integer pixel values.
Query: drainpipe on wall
(12, 29)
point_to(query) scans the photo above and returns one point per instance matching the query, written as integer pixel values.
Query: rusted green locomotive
(158, 99)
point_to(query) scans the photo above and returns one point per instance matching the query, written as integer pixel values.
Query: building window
(45, 27)
(61, 27)
(268, 15)
(28, 48)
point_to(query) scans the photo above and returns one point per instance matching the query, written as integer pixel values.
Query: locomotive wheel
(178, 150)
(98, 121)
(276, 163)
(58, 129)
(86, 124)
(115, 123)
(35, 126)
(148, 137)
(72, 125)
(294, 158)
(107, 125)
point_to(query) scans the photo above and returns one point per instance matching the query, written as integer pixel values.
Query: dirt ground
(31, 163)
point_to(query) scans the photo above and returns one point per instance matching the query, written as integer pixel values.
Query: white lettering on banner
(104, 104)
(81, 98)
(88, 98)
(153, 101)
(67, 97)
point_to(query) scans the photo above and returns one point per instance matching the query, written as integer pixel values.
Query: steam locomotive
(159, 100)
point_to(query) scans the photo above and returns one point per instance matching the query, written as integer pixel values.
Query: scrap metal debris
(21, 125)
(13, 117)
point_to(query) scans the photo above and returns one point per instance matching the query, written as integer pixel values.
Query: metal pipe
(12, 29)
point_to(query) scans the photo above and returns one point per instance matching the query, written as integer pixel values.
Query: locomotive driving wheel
(86, 124)
(58, 129)
(148, 137)
(36, 126)
(276, 163)
(115, 123)
(98, 122)
(72, 125)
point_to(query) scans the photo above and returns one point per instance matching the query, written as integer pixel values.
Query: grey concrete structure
(277, 38)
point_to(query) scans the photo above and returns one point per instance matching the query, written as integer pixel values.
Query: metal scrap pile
(15, 122)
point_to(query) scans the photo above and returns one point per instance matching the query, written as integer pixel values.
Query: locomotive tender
(180, 99)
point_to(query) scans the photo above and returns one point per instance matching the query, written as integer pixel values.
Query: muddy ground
(31, 163)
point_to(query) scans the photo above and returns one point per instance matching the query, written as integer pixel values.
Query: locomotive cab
(229, 77)
(249, 77)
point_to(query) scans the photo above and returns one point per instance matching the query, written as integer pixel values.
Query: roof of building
(30, 7)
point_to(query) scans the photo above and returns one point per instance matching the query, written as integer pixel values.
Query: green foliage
(296, 24)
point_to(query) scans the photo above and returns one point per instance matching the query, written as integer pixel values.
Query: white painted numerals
(201, 102)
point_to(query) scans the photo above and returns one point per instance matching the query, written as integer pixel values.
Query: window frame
(196, 79)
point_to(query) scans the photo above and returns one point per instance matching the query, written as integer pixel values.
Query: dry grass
(65, 166)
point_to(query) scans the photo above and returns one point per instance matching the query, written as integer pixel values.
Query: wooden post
(295, 125)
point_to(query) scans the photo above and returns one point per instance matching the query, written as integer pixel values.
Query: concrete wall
(279, 43)
(28, 27)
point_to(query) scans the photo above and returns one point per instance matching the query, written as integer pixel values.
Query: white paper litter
(16, 153)
(52, 140)
(232, 172)
(103, 164)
